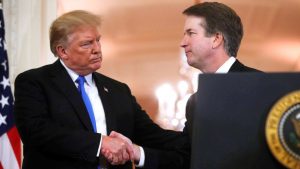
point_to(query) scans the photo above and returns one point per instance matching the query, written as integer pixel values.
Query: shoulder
(35, 73)
(240, 67)
(41, 73)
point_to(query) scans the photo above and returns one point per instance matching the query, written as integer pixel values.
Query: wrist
(137, 153)
(140, 158)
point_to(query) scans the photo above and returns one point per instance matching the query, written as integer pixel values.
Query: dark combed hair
(220, 18)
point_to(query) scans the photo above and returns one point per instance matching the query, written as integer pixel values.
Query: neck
(214, 63)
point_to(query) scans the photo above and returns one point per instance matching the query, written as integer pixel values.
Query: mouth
(97, 59)
(187, 53)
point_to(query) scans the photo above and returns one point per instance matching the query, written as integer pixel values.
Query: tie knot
(80, 80)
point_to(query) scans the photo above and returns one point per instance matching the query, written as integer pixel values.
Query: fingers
(128, 142)
(115, 150)
(107, 155)
(116, 160)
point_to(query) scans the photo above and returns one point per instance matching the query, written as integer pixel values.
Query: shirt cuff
(142, 158)
(98, 152)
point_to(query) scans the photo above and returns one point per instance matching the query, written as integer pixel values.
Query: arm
(163, 148)
(39, 128)
(48, 123)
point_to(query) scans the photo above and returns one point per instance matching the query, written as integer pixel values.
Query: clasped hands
(118, 149)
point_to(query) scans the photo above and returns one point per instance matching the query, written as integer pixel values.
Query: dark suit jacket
(236, 67)
(239, 67)
(57, 133)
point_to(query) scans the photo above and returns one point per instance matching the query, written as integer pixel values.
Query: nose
(97, 47)
(183, 42)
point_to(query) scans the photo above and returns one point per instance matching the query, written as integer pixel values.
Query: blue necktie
(80, 80)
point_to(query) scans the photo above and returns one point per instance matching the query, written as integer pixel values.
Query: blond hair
(67, 23)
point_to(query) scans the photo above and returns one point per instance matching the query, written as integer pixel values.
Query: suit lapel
(106, 95)
(64, 83)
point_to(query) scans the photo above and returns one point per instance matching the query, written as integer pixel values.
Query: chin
(97, 67)
(94, 68)
(190, 62)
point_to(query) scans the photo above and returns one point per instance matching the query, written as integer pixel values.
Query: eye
(98, 39)
(190, 33)
(86, 44)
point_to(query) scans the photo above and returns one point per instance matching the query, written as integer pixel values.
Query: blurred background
(140, 44)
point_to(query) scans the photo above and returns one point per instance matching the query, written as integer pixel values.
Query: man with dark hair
(212, 36)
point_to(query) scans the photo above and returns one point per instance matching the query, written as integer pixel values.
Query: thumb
(114, 134)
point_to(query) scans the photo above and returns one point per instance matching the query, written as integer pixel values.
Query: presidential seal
(283, 130)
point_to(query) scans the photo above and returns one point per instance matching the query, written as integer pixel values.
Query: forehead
(85, 31)
(194, 23)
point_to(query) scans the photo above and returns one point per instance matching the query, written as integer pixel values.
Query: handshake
(118, 149)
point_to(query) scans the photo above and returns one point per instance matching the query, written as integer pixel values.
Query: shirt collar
(226, 66)
(74, 75)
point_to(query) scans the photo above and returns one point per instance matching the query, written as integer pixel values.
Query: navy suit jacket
(56, 131)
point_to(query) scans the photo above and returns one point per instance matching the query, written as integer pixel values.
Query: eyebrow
(189, 30)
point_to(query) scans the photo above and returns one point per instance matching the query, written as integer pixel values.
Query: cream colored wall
(26, 24)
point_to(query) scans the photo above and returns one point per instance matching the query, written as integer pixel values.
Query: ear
(61, 52)
(218, 40)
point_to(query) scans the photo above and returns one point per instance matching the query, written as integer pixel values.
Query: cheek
(83, 55)
(202, 44)
(82, 52)
(196, 45)
(80, 58)
(196, 42)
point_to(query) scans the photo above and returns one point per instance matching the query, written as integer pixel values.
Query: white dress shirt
(226, 66)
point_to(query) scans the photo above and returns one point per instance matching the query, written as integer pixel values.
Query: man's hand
(136, 148)
(116, 150)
